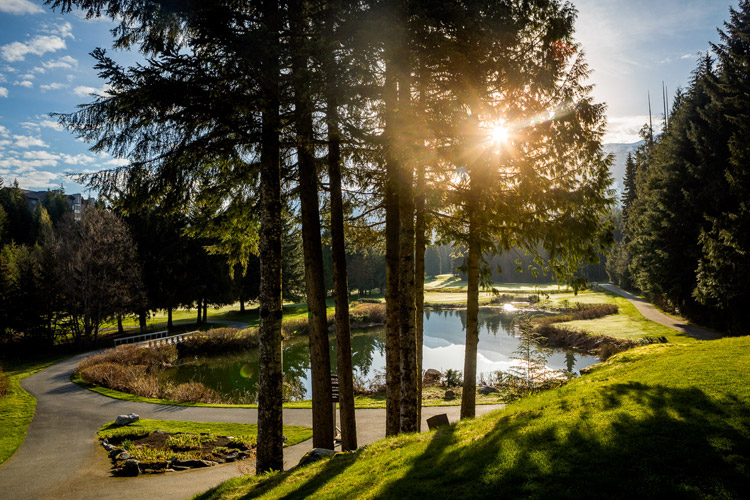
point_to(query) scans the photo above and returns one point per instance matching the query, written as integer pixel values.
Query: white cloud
(10, 69)
(38, 45)
(27, 165)
(39, 69)
(28, 76)
(690, 56)
(3, 79)
(117, 162)
(624, 129)
(3, 92)
(64, 30)
(53, 86)
(5, 142)
(79, 159)
(40, 180)
(50, 124)
(24, 83)
(41, 155)
(84, 91)
(62, 62)
(3, 131)
(27, 141)
(19, 7)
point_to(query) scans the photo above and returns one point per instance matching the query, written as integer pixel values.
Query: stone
(115, 452)
(123, 456)
(130, 468)
(178, 468)
(487, 390)
(126, 419)
(439, 420)
(431, 377)
(108, 446)
(194, 463)
(232, 457)
(315, 455)
(449, 395)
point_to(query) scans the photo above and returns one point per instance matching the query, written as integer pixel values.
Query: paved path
(61, 458)
(650, 312)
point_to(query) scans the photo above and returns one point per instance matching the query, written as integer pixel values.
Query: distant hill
(618, 167)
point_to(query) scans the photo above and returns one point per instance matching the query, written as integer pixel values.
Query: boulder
(232, 456)
(130, 468)
(449, 395)
(126, 419)
(438, 421)
(123, 456)
(487, 390)
(193, 463)
(431, 377)
(115, 452)
(315, 455)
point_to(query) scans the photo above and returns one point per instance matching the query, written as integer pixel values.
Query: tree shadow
(643, 442)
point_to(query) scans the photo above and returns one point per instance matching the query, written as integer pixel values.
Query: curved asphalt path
(652, 313)
(62, 459)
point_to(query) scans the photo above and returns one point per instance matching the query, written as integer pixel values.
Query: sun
(499, 134)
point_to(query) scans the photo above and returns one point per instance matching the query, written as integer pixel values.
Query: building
(76, 202)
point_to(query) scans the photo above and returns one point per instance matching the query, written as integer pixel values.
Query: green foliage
(452, 378)
(188, 441)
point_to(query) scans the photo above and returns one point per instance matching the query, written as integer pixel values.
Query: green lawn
(17, 407)
(294, 434)
(659, 421)
(628, 323)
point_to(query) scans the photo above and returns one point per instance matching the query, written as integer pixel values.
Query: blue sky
(631, 46)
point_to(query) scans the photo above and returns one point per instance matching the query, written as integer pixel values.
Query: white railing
(155, 338)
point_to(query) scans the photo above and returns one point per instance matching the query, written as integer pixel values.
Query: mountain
(620, 151)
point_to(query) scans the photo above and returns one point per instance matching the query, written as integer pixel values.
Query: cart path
(652, 313)
(62, 459)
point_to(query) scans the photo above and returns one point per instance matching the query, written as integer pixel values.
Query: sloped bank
(640, 425)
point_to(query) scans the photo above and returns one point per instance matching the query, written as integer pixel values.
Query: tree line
(388, 123)
(685, 224)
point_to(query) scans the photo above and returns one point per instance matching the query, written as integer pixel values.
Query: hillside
(663, 420)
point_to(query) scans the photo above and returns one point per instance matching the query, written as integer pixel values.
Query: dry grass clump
(294, 327)
(601, 345)
(368, 312)
(218, 340)
(578, 312)
(136, 370)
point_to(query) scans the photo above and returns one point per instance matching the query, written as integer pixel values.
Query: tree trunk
(200, 310)
(120, 329)
(142, 320)
(269, 451)
(170, 325)
(420, 241)
(338, 253)
(320, 361)
(392, 292)
(205, 311)
(469, 396)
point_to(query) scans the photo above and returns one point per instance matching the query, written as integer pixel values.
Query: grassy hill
(662, 420)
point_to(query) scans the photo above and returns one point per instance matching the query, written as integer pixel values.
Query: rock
(160, 432)
(130, 468)
(431, 377)
(315, 455)
(123, 456)
(126, 419)
(232, 457)
(487, 390)
(116, 451)
(108, 446)
(193, 463)
(438, 421)
(178, 468)
(449, 395)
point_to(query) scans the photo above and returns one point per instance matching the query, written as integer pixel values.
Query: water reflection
(235, 375)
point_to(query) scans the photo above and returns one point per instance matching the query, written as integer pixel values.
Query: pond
(235, 375)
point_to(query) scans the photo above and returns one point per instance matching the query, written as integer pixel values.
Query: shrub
(152, 359)
(4, 384)
(453, 378)
(218, 340)
(368, 312)
(192, 392)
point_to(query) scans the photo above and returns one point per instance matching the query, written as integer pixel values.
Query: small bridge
(154, 339)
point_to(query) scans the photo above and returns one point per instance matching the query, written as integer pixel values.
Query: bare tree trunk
(170, 325)
(392, 291)
(420, 241)
(469, 396)
(200, 311)
(142, 320)
(205, 311)
(320, 361)
(269, 452)
(120, 329)
(338, 252)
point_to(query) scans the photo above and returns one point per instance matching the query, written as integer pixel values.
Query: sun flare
(499, 134)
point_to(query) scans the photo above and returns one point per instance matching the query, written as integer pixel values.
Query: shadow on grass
(648, 442)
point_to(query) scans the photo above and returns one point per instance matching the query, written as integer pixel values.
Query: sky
(631, 47)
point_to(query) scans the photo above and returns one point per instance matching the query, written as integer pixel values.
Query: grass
(628, 324)
(660, 421)
(17, 406)
(244, 432)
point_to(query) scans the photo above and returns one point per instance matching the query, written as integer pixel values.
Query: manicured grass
(660, 421)
(628, 323)
(294, 434)
(17, 407)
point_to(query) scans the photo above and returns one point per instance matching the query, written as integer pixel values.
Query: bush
(218, 340)
(152, 359)
(4, 384)
(453, 378)
(368, 312)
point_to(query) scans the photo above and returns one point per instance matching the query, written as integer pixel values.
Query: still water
(235, 375)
